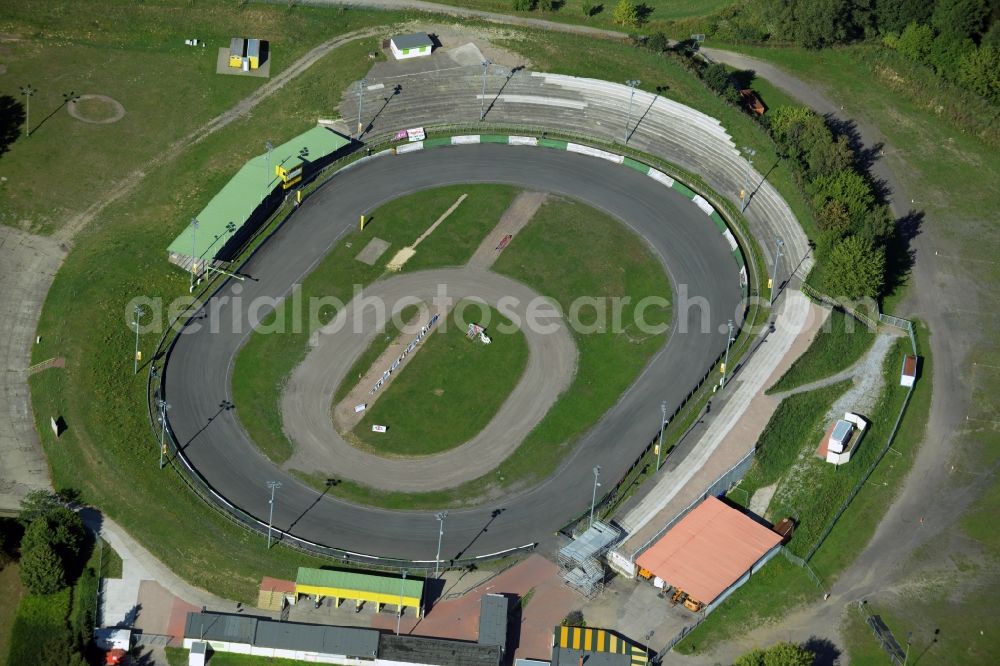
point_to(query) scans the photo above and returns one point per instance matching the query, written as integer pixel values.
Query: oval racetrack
(199, 369)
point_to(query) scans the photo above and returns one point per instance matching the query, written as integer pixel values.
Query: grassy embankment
(838, 344)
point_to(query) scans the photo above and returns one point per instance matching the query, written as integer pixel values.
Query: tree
(895, 15)
(626, 14)
(786, 654)
(947, 52)
(850, 189)
(716, 76)
(574, 619)
(658, 42)
(42, 570)
(979, 71)
(523, 5)
(36, 504)
(819, 23)
(915, 42)
(779, 654)
(547, 5)
(855, 269)
(825, 157)
(61, 529)
(960, 18)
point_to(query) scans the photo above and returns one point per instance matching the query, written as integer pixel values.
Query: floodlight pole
(745, 194)
(273, 485)
(482, 99)
(631, 83)
(27, 91)
(399, 613)
(164, 406)
(361, 90)
(441, 515)
(135, 322)
(194, 259)
(778, 244)
(725, 364)
(593, 498)
(909, 639)
(663, 424)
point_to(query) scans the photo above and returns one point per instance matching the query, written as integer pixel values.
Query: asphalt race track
(197, 377)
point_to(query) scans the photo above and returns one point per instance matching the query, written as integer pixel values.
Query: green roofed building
(390, 590)
(233, 215)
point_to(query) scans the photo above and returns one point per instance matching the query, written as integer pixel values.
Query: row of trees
(52, 545)
(819, 23)
(954, 55)
(854, 228)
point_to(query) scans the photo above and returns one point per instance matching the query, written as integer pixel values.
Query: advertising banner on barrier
(702, 203)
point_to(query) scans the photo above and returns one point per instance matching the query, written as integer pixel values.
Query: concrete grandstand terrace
(589, 107)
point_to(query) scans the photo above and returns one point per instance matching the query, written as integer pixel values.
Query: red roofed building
(710, 552)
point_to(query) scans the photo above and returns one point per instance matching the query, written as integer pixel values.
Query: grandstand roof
(352, 580)
(239, 198)
(708, 550)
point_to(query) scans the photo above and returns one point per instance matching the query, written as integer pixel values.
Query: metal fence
(886, 640)
(200, 486)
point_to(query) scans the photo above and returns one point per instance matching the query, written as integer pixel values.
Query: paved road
(305, 405)
(199, 371)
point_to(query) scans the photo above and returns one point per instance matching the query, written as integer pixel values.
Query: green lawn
(449, 391)
(600, 258)
(764, 599)
(108, 438)
(11, 591)
(111, 562)
(795, 428)
(267, 359)
(40, 628)
(134, 53)
(179, 657)
(840, 342)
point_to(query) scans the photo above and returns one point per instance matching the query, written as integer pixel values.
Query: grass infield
(449, 391)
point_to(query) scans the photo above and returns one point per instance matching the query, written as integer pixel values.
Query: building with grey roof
(493, 611)
(436, 651)
(264, 637)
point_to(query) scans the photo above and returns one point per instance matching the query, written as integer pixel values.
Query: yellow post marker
(769, 282)
(362, 223)
(138, 356)
(722, 368)
(298, 196)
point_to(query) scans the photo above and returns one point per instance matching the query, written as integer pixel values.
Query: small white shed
(411, 46)
(198, 653)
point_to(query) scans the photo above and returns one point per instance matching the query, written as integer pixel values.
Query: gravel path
(518, 214)
(306, 402)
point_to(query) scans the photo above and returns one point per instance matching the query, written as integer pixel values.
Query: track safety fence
(373, 148)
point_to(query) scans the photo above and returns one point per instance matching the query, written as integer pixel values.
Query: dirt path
(518, 214)
(305, 404)
(345, 416)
